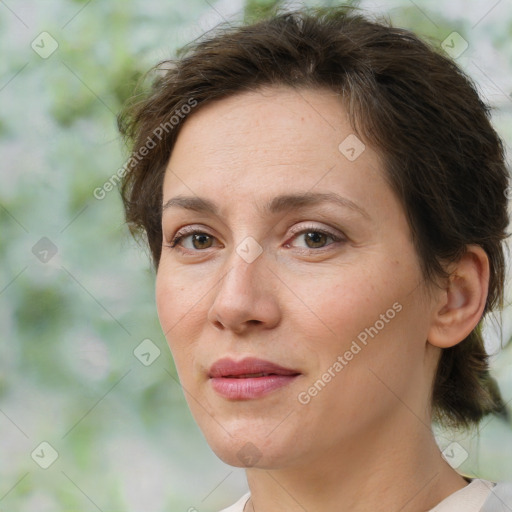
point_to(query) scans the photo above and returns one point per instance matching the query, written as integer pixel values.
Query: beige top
(468, 499)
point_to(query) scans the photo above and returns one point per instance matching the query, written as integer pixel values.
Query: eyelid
(188, 230)
(313, 227)
(334, 234)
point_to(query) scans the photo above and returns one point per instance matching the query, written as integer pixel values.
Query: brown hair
(442, 157)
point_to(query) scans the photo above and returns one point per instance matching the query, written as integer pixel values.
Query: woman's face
(304, 260)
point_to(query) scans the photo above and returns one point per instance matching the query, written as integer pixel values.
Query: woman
(324, 201)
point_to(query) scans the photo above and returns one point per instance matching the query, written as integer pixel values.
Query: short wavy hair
(423, 114)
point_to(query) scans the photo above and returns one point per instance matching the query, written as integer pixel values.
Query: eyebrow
(278, 204)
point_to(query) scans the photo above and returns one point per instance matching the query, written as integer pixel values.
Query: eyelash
(186, 232)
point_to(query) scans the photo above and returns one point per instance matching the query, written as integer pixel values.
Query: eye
(316, 238)
(198, 240)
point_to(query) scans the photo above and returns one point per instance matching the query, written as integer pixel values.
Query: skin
(364, 441)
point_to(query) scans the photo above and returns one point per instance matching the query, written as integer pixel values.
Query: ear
(461, 302)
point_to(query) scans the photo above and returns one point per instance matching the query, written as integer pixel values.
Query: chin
(248, 449)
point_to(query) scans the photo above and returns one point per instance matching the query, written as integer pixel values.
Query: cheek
(381, 344)
(365, 315)
(363, 373)
(165, 302)
(342, 303)
(178, 297)
(176, 313)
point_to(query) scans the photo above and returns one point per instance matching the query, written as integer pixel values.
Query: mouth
(249, 378)
(249, 375)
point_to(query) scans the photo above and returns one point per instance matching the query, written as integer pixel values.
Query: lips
(249, 378)
(248, 367)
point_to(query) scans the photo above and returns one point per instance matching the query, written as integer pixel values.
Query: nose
(246, 297)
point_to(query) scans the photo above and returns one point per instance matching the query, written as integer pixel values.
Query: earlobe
(461, 304)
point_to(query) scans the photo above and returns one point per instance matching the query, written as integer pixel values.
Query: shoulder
(239, 505)
(499, 499)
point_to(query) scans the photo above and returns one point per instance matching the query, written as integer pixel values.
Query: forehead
(253, 146)
(302, 118)
(271, 129)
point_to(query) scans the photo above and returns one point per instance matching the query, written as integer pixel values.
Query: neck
(397, 466)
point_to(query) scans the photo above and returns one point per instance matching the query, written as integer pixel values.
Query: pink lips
(249, 378)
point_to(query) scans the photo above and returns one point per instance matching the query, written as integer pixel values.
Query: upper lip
(227, 367)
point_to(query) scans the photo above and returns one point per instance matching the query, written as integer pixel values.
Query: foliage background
(69, 326)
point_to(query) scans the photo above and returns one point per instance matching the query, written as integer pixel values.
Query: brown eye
(315, 239)
(200, 240)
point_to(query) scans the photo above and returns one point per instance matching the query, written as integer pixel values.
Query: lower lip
(251, 387)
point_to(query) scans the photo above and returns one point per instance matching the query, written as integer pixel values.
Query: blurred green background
(76, 293)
